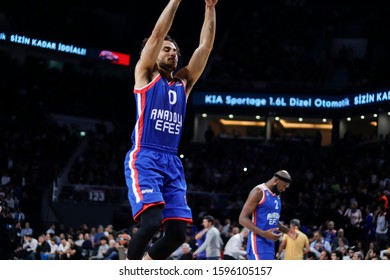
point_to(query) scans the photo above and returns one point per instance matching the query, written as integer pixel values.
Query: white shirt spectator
(234, 248)
(30, 243)
(381, 224)
(64, 246)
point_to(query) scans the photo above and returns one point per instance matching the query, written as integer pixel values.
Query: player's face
(168, 57)
(280, 187)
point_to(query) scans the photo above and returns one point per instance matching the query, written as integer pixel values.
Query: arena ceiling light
(286, 124)
(242, 123)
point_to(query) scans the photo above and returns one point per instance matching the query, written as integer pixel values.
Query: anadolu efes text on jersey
(273, 218)
(161, 108)
(166, 121)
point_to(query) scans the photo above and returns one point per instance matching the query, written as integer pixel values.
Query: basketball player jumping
(154, 174)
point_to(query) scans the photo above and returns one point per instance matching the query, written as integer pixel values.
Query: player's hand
(271, 234)
(211, 2)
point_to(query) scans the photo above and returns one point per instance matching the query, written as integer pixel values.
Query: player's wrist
(262, 233)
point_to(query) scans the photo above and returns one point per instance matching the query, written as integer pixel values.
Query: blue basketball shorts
(260, 256)
(258, 249)
(156, 178)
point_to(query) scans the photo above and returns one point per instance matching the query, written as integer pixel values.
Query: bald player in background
(260, 214)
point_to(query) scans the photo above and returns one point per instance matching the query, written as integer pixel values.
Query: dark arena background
(291, 84)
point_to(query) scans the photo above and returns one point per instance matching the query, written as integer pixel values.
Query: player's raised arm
(198, 61)
(150, 51)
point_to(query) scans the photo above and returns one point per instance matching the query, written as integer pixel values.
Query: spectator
(186, 252)
(226, 228)
(213, 241)
(27, 250)
(26, 230)
(99, 234)
(357, 256)
(42, 248)
(373, 255)
(319, 243)
(80, 240)
(311, 256)
(51, 229)
(330, 233)
(102, 249)
(200, 237)
(234, 248)
(74, 252)
(336, 255)
(325, 255)
(369, 226)
(62, 249)
(87, 246)
(112, 252)
(382, 225)
(371, 249)
(294, 249)
(51, 255)
(355, 219)
(339, 240)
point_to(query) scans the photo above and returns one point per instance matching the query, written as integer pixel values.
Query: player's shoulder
(260, 187)
(258, 190)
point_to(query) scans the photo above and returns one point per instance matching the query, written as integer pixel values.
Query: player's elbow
(207, 48)
(243, 220)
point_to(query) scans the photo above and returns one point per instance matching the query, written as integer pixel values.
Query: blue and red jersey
(265, 217)
(161, 109)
